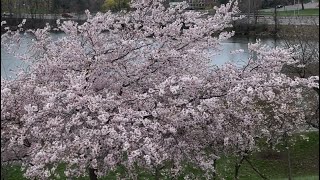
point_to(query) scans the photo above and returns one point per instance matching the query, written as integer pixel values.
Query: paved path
(48, 16)
(290, 20)
(281, 20)
(294, 7)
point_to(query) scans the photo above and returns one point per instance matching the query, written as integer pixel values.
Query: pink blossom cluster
(138, 88)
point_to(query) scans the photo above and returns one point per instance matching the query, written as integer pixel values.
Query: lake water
(10, 63)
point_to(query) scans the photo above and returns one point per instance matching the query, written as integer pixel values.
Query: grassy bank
(304, 153)
(274, 165)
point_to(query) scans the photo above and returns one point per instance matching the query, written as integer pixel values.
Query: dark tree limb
(254, 168)
(237, 167)
(92, 174)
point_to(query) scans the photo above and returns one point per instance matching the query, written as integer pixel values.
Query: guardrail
(282, 20)
(45, 16)
(251, 18)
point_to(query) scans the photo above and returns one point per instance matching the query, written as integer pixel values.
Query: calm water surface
(10, 63)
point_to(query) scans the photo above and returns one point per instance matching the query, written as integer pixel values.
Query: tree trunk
(215, 169)
(317, 90)
(92, 174)
(10, 7)
(119, 5)
(275, 20)
(289, 165)
(302, 5)
(248, 22)
(288, 157)
(157, 174)
(255, 16)
(237, 167)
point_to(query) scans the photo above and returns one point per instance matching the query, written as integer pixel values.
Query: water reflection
(10, 63)
(236, 43)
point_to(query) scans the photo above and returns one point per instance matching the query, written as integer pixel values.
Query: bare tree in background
(9, 4)
(305, 41)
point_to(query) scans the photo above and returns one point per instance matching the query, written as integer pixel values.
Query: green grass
(11, 173)
(273, 164)
(301, 178)
(305, 12)
(304, 152)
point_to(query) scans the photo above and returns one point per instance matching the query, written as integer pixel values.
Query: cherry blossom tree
(139, 88)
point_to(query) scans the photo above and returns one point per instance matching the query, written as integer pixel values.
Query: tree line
(60, 6)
